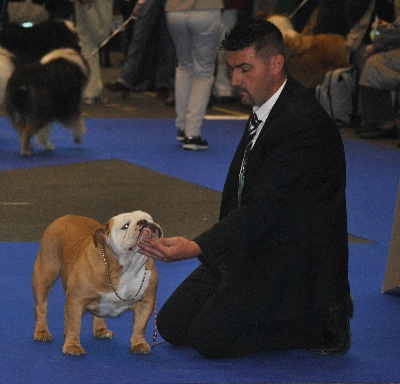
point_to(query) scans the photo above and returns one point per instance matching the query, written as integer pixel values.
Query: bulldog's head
(123, 232)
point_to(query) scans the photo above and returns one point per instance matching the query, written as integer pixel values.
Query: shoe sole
(193, 147)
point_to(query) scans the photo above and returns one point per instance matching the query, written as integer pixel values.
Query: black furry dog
(29, 45)
(40, 93)
(20, 45)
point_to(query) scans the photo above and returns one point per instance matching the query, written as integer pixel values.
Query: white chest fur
(130, 288)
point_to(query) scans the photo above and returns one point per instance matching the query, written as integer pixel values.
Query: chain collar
(111, 283)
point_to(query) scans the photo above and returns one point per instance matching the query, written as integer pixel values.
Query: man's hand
(169, 249)
(136, 12)
(369, 50)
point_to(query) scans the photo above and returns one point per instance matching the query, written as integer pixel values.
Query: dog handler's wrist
(195, 249)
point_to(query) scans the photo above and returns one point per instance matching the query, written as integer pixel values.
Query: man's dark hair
(257, 33)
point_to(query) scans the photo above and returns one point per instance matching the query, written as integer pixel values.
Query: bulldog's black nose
(155, 229)
(142, 223)
(152, 228)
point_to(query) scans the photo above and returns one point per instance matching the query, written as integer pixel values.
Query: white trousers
(94, 25)
(195, 35)
(222, 85)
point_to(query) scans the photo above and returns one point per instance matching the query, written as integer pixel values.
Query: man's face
(252, 75)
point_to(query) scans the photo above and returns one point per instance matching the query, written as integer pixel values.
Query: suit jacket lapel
(278, 106)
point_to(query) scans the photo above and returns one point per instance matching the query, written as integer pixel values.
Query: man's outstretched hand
(169, 248)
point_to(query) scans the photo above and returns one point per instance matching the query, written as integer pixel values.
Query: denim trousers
(196, 35)
(138, 50)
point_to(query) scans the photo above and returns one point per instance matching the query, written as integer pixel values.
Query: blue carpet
(372, 184)
(146, 142)
(373, 357)
(373, 176)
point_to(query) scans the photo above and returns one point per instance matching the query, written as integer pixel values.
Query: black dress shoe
(194, 143)
(336, 337)
(375, 132)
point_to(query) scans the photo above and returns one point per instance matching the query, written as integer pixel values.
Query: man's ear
(277, 63)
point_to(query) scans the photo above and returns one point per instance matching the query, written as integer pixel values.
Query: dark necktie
(251, 132)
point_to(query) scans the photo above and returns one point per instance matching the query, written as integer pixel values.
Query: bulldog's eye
(142, 223)
(126, 226)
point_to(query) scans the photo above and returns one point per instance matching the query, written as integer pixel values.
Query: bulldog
(102, 273)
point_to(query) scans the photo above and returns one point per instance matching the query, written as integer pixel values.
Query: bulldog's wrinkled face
(127, 229)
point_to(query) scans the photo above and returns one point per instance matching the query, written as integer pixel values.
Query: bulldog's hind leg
(100, 328)
(46, 271)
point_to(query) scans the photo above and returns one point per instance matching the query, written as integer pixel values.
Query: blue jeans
(139, 47)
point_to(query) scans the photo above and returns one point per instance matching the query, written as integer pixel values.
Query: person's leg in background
(222, 90)
(205, 27)
(166, 60)
(184, 74)
(94, 23)
(379, 78)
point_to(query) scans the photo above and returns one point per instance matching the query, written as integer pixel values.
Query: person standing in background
(195, 29)
(222, 90)
(93, 20)
(150, 19)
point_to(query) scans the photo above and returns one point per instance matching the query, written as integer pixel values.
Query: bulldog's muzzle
(148, 231)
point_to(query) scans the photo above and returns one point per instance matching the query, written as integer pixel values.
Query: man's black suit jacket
(287, 242)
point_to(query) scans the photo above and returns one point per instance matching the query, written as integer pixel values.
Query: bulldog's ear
(99, 235)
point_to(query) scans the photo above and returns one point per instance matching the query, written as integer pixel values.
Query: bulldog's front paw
(42, 336)
(140, 348)
(73, 349)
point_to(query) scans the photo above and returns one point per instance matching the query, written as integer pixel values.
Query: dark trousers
(377, 105)
(221, 319)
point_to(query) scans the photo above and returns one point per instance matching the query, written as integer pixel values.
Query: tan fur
(71, 247)
(6, 69)
(309, 57)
